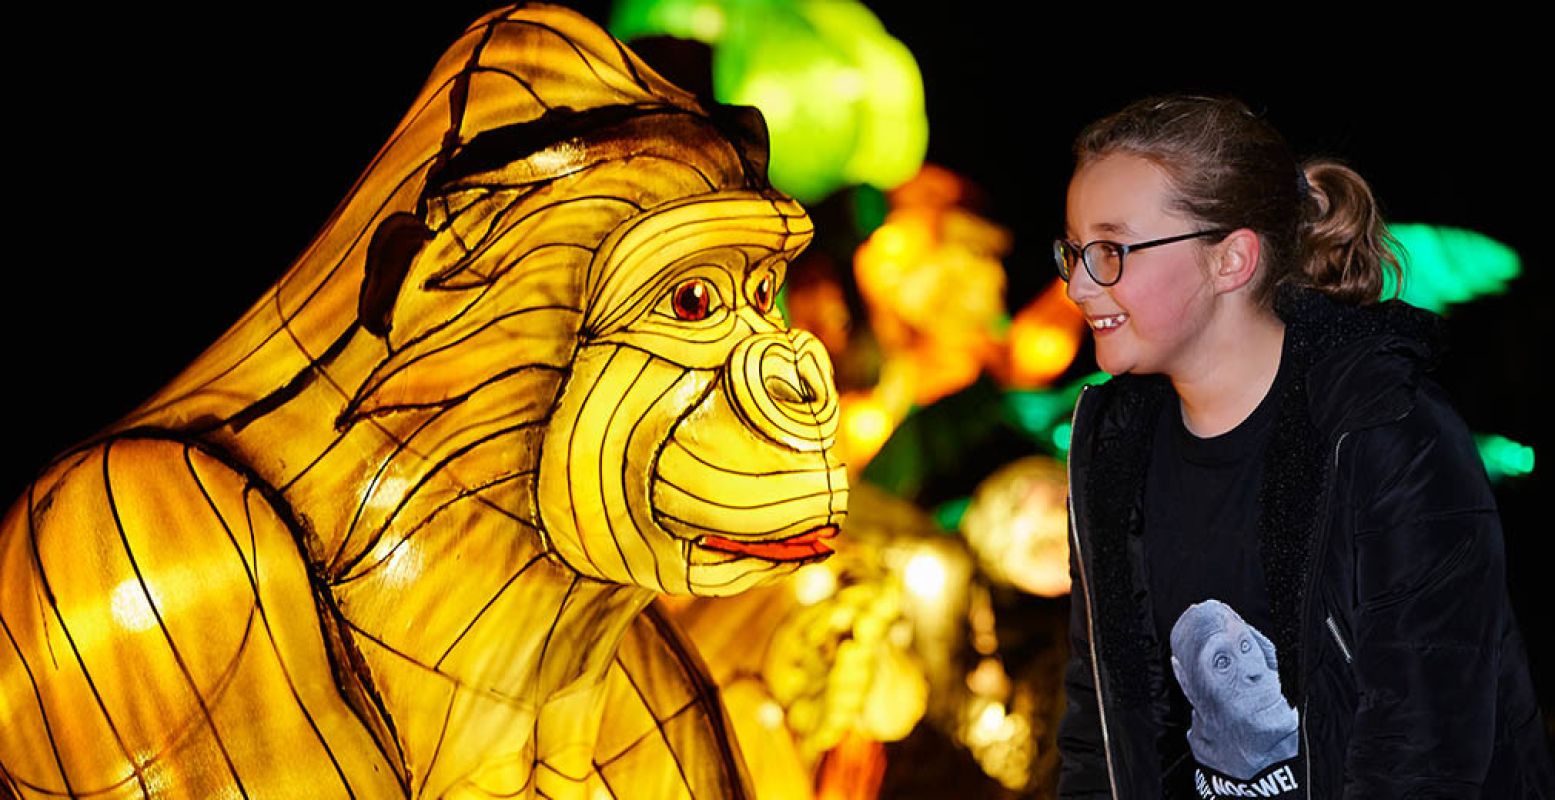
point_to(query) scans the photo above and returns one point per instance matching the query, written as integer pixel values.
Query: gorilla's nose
(782, 383)
(1254, 677)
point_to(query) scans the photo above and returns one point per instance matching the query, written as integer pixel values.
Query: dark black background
(165, 170)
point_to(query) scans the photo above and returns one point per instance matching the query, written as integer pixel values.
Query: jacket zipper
(1306, 746)
(1085, 588)
(1333, 628)
(1306, 687)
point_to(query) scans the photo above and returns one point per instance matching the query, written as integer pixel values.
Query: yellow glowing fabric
(394, 533)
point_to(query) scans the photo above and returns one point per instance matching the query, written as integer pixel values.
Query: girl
(1288, 568)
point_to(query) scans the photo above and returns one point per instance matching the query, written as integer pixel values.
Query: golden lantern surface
(397, 532)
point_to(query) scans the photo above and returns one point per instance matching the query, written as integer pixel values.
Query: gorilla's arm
(161, 638)
(664, 731)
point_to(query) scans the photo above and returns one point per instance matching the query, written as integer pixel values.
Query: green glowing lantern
(843, 100)
(949, 513)
(1503, 457)
(1061, 434)
(701, 20)
(1443, 265)
(1044, 414)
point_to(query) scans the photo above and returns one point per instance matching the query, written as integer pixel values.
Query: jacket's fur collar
(1335, 353)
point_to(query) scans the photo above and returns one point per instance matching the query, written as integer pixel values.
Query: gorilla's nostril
(784, 392)
(1254, 677)
(781, 390)
(807, 392)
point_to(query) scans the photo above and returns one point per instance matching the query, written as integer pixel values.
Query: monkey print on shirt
(1244, 734)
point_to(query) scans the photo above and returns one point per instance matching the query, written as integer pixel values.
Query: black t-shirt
(1230, 732)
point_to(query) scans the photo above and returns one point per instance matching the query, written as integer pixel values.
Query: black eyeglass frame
(1123, 250)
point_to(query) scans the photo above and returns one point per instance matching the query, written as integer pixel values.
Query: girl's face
(1150, 320)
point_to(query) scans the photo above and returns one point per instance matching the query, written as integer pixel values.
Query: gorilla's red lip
(798, 547)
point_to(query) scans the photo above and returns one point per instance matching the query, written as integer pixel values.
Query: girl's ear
(1235, 260)
(395, 243)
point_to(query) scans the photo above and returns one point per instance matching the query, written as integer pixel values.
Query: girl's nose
(1081, 288)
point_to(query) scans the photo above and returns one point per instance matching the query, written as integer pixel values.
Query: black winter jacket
(1382, 554)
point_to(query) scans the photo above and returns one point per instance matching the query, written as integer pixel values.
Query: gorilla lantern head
(691, 449)
(689, 445)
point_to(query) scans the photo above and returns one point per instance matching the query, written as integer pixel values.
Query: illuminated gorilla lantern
(396, 533)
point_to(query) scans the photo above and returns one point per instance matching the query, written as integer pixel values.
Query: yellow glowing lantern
(1017, 525)
(834, 669)
(843, 650)
(1001, 740)
(396, 533)
(866, 424)
(934, 283)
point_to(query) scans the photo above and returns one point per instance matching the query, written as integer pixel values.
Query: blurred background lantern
(1018, 526)
(1446, 266)
(843, 100)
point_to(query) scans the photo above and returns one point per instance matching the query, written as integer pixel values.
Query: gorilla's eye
(692, 299)
(764, 294)
(1247, 645)
(1222, 661)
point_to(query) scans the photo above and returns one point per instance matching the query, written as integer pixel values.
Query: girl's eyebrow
(1108, 227)
(1116, 227)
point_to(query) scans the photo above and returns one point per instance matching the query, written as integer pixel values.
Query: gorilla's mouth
(1276, 700)
(799, 547)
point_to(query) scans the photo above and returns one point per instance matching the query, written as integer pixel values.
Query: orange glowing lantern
(1044, 338)
(933, 282)
(853, 770)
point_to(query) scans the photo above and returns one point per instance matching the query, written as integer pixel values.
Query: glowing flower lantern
(843, 100)
(818, 671)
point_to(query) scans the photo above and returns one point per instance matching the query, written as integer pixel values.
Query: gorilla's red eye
(764, 294)
(692, 300)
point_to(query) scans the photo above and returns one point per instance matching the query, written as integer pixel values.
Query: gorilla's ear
(1269, 655)
(395, 243)
(1184, 680)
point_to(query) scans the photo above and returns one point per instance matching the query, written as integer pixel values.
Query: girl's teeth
(1110, 322)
